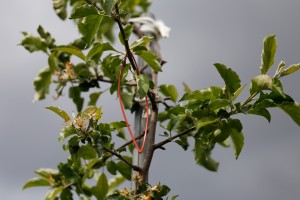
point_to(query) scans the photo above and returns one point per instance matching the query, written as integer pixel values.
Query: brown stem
(170, 139)
(134, 167)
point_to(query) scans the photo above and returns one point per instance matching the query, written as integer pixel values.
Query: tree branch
(130, 55)
(134, 167)
(170, 139)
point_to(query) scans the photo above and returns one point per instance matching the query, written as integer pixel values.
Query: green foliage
(268, 53)
(169, 91)
(230, 77)
(42, 83)
(204, 117)
(60, 7)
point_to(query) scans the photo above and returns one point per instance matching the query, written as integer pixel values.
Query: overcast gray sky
(203, 32)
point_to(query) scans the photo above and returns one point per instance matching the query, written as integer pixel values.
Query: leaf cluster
(204, 117)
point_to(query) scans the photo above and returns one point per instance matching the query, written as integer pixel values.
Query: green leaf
(33, 43)
(60, 7)
(142, 85)
(118, 125)
(51, 194)
(203, 158)
(115, 182)
(259, 83)
(107, 6)
(277, 86)
(204, 122)
(169, 91)
(280, 68)
(88, 27)
(46, 172)
(66, 194)
(230, 77)
(127, 99)
(238, 141)
(219, 103)
(53, 63)
(87, 152)
(46, 37)
(41, 84)
(150, 58)
(127, 31)
(141, 42)
(124, 169)
(94, 98)
(111, 167)
(238, 92)
(291, 69)
(71, 50)
(102, 188)
(36, 182)
(66, 132)
(268, 53)
(164, 190)
(174, 197)
(98, 49)
(60, 112)
(293, 110)
(261, 111)
(175, 121)
(83, 11)
(201, 95)
(74, 94)
(187, 89)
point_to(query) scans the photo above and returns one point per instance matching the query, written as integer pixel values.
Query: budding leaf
(291, 69)
(268, 53)
(259, 83)
(230, 77)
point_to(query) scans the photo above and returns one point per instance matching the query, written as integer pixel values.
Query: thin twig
(131, 141)
(170, 139)
(134, 167)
